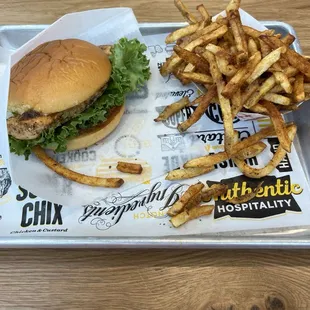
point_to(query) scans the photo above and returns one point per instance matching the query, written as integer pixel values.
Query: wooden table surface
(155, 279)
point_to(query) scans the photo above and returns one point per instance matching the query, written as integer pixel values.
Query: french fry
(180, 33)
(252, 46)
(252, 150)
(189, 68)
(75, 176)
(298, 90)
(279, 125)
(177, 73)
(233, 16)
(191, 214)
(278, 99)
(207, 161)
(290, 71)
(194, 201)
(192, 58)
(199, 33)
(233, 50)
(190, 18)
(213, 48)
(214, 191)
(307, 87)
(222, 20)
(265, 64)
(207, 38)
(236, 103)
(187, 173)
(129, 167)
(200, 110)
(197, 77)
(229, 38)
(263, 90)
(224, 103)
(172, 109)
(283, 80)
(251, 32)
(277, 89)
(291, 107)
(257, 173)
(223, 64)
(241, 76)
(179, 205)
(204, 13)
(265, 49)
(276, 67)
(248, 91)
(288, 39)
(246, 197)
(258, 108)
(174, 60)
(244, 151)
(296, 60)
(170, 64)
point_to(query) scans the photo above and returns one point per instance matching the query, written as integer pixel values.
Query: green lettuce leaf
(130, 70)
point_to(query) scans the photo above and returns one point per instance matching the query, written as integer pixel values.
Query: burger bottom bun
(90, 136)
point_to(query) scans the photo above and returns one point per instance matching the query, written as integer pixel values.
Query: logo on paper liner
(37, 215)
(274, 197)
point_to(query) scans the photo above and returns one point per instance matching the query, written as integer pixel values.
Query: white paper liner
(139, 209)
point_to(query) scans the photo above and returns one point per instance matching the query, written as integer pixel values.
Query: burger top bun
(57, 75)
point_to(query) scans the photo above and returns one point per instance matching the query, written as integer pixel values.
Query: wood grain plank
(154, 279)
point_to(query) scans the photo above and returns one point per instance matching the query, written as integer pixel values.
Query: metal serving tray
(13, 36)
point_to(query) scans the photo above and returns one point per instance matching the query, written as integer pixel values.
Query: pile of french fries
(242, 69)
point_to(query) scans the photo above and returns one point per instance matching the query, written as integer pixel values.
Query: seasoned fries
(296, 60)
(197, 77)
(180, 33)
(214, 191)
(279, 99)
(187, 173)
(200, 110)
(204, 14)
(244, 152)
(241, 76)
(190, 18)
(283, 80)
(252, 46)
(224, 102)
(191, 214)
(265, 64)
(179, 205)
(257, 173)
(75, 176)
(246, 197)
(233, 17)
(192, 58)
(279, 125)
(299, 90)
(242, 70)
(252, 150)
(172, 109)
(129, 167)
